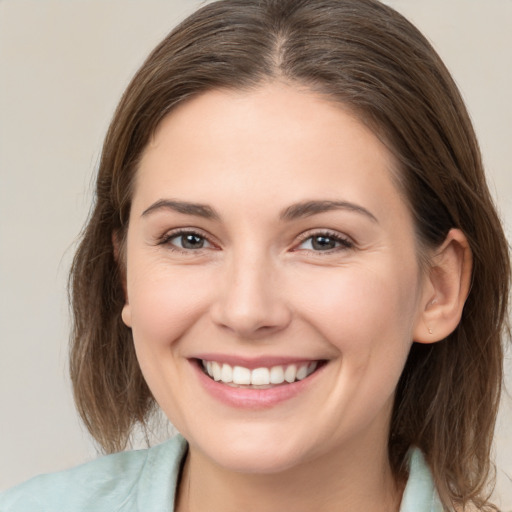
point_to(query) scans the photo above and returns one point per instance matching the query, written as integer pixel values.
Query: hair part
(365, 56)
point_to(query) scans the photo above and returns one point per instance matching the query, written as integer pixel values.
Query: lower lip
(247, 398)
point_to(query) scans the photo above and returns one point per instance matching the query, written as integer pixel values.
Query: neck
(341, 481)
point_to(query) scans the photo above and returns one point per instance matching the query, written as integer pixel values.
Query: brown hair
(368, 57)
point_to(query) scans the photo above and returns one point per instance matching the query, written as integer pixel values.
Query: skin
(258, 287)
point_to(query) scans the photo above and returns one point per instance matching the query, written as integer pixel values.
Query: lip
(254, 399)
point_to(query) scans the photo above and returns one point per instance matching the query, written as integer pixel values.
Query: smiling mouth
(258, 378)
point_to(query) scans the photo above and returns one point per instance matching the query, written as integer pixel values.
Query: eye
(187, 240)
(324, 242)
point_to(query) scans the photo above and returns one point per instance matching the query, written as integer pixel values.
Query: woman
(294, 253)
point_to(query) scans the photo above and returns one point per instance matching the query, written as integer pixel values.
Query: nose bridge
(250, 302)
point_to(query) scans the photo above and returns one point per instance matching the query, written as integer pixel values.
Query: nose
(250, 301)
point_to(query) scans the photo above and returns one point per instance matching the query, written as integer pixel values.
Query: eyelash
(166, 239)
(344, 242)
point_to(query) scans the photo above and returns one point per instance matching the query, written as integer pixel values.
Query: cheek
(364, 309)
(165, 304)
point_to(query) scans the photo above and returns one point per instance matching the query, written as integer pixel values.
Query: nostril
(251, 323)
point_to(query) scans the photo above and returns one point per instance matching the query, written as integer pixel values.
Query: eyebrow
(293, 212)
(196, 209)
(308, 208)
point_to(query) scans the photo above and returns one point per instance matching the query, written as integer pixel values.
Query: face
(272, 278)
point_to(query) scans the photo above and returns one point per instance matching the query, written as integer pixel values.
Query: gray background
(63, 67)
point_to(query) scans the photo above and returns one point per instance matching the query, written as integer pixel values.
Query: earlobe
(447, 287)
(126, 315)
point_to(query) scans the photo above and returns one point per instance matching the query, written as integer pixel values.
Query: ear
(446, 288)
(120, 258)
(126, 315)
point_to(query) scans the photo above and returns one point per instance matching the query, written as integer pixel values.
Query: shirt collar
(420, 494)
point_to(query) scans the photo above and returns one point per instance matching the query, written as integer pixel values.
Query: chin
(253, 454)
(257, 461)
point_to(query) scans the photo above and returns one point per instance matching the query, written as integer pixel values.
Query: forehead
(274, 143)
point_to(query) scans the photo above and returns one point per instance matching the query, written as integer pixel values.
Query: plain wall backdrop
(63, 67)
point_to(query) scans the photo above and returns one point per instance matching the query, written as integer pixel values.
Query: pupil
(192, 242)
(323, 243)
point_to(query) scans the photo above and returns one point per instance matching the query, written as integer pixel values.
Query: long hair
(366, 56)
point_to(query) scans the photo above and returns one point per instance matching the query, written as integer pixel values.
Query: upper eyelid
(329, 232)
(314, 231)
(179, 231)
(173, 233)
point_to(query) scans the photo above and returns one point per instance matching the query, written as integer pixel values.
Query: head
(365, 58)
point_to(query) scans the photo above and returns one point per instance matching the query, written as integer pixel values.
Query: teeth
(226, 374)
(290, 373)
(302, 373)
(216, 371)
(260, 377)
(242, 376)
(276, 375)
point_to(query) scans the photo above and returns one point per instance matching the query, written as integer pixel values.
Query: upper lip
(255, 362)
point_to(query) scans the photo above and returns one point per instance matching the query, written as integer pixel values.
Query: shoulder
(113, 483)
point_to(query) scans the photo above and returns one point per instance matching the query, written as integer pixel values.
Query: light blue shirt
(145, 481)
